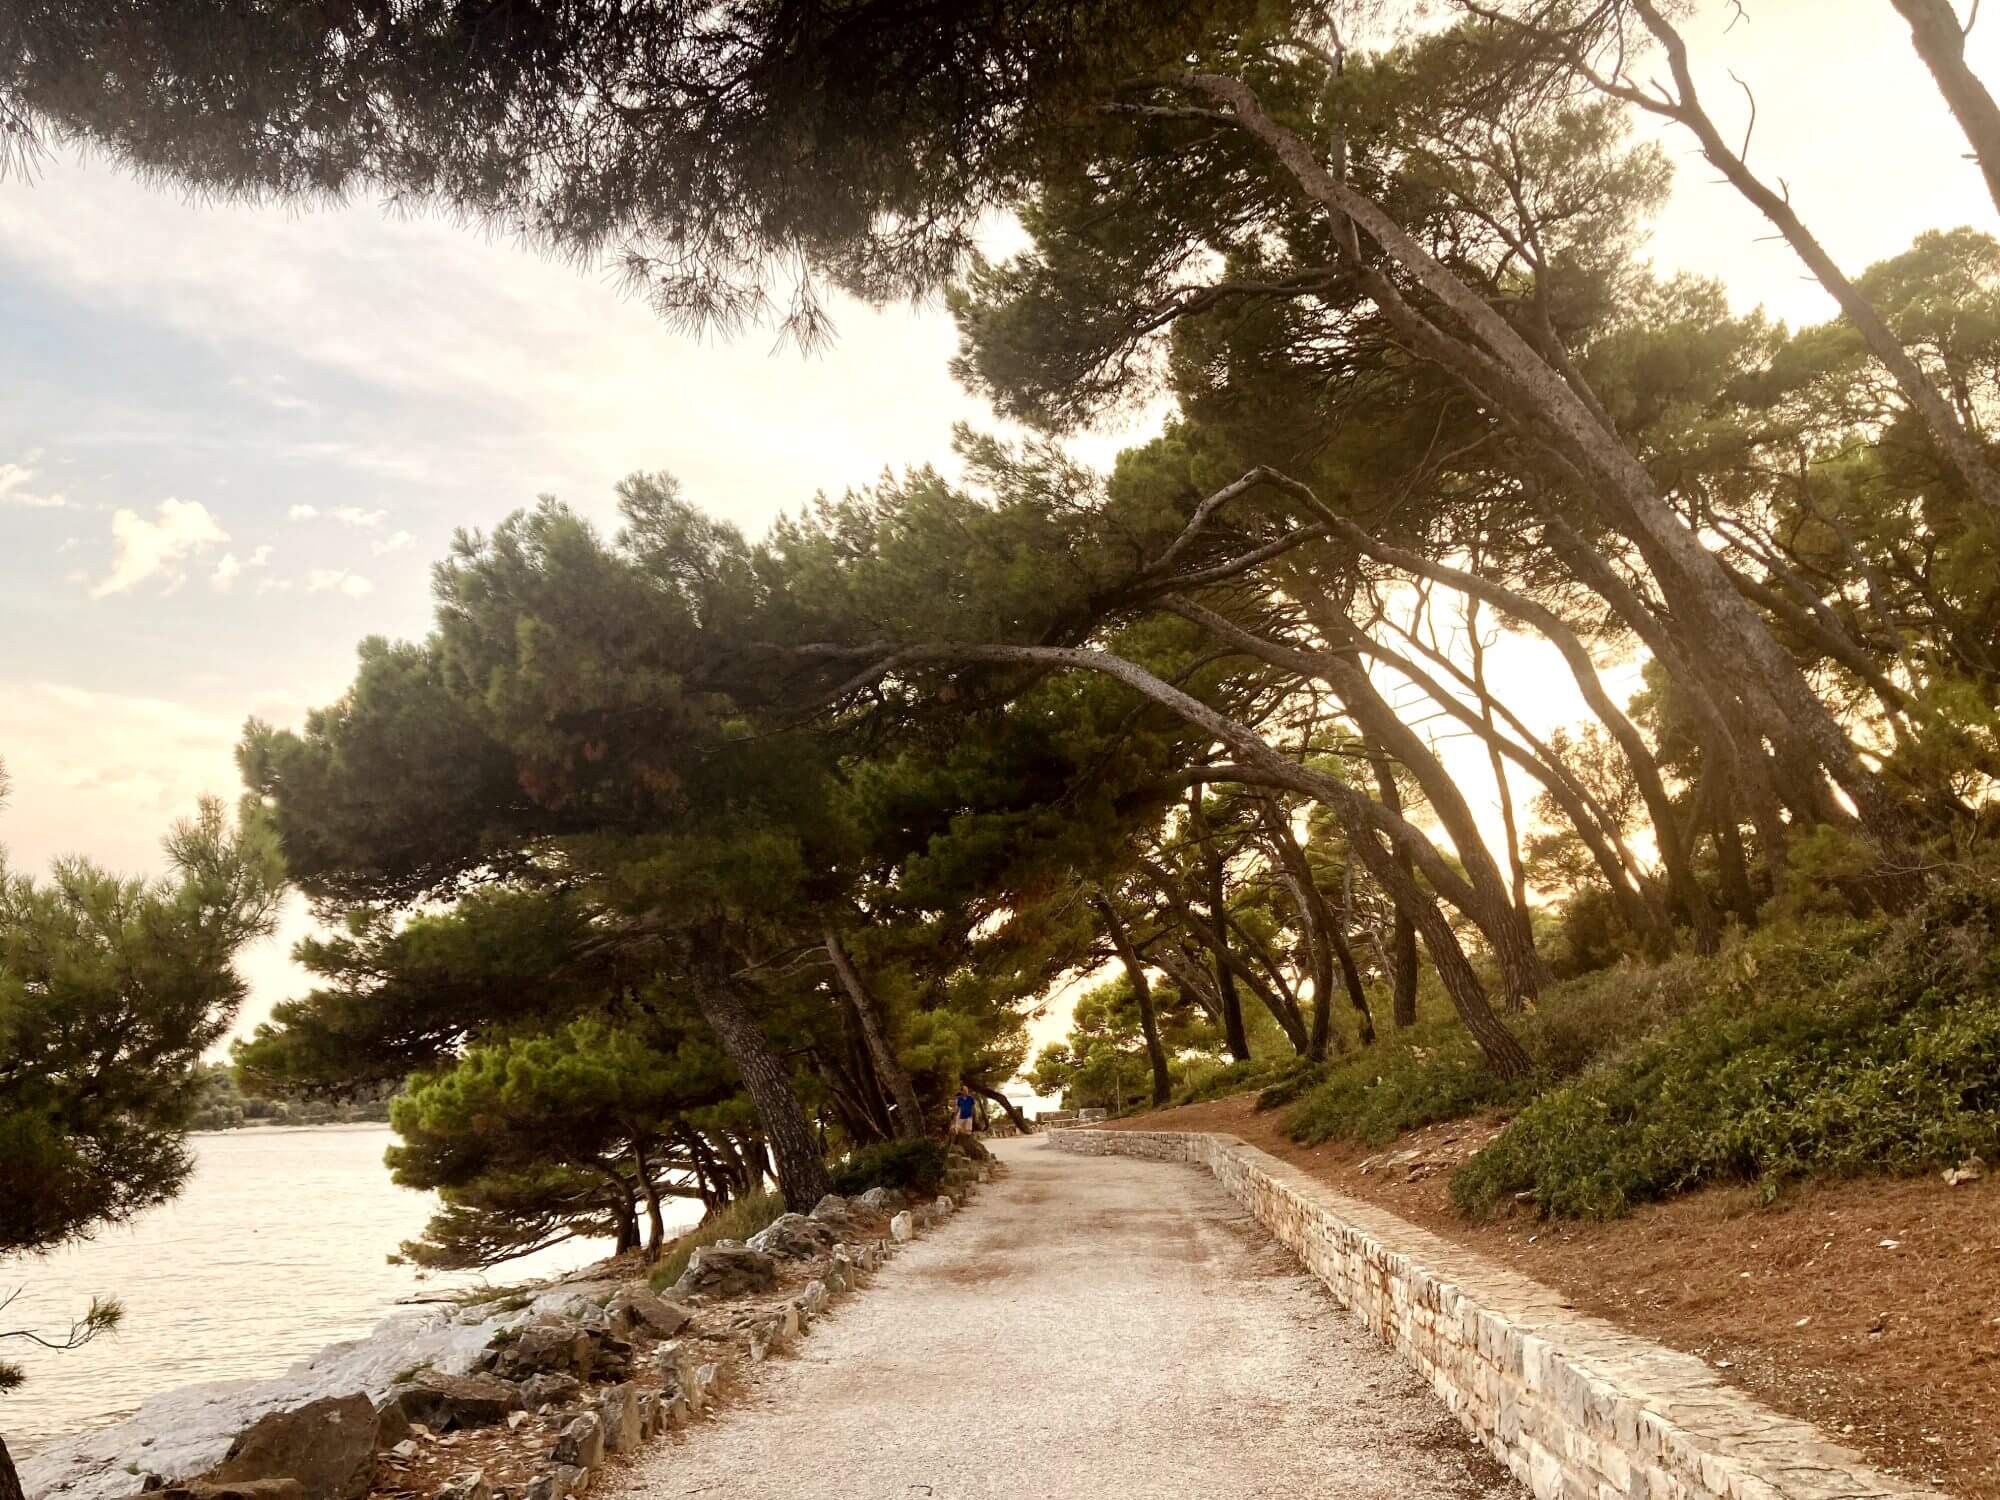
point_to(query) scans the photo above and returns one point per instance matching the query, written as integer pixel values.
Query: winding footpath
(1092, 1328)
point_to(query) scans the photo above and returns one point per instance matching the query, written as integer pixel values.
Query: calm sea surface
(277, 1247)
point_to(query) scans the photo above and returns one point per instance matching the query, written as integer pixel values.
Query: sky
(233, 439)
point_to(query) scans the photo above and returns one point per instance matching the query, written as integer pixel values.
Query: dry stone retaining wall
(1576, 1408)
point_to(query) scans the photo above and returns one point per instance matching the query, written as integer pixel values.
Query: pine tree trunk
(1936, 34)
(1357, 995)
(1403, 940)
(1504, 926)
(628, 1222)
(801, 1170)
(1939, 38)
(1403, 954)
(1233, 1034)
(1483, 895)
(1502, 1050)
(1635, 894)
(1269, 988)
(1142, 991)
(1498, 361)
(1323, 938)
(909, 1121)
(1517, 871)
(656, 1223)
(1007, 1106)
(10, 1482)
(1194, 985)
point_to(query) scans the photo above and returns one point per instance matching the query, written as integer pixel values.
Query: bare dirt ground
(1869, 1308)
(1090, 1327)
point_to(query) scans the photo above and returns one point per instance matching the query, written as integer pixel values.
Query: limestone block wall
(1576, 1408)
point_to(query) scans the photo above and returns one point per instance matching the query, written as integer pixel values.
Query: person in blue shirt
(961, 1123)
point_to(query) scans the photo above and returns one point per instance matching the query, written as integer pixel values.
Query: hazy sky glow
(232, 440)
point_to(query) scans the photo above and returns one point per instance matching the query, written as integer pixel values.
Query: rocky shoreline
(519, 1397)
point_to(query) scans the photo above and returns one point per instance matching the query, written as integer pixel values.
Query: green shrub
(1409, 1078)
(1432, 1072)
(1289, 1082)
(913, 1167)
(1820, 1050)
(736, 1220)
(1203, 1078)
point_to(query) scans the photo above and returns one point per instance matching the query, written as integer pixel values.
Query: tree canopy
(672, 855)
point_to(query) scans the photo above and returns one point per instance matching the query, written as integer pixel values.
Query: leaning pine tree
(560, 731)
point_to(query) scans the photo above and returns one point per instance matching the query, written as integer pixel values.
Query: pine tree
(111, 990)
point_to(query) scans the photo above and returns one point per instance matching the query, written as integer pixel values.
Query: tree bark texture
(10, 1482)
(1497, 361)
(801, 1170)
(1403, 936)
(909, 1122)
(1142, 992)
(1940, 41)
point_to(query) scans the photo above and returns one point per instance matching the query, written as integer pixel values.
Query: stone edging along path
(1575, 1407)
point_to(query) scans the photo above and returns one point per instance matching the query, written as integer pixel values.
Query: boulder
(550, 1389)
(834, 1211)
(540, 1348)
(635, 1307)
(676, 1362)
(706, 1379)
(881, 1200)
(285, 1488)
(445, 1403)
(562, 1348)
(470, 1484)
(727, 1269)
(618, 1410)
(903, 1227)
(557, 1482)
(772, 1330)
(328, 1446)
(793, 1237)
(582, 1442)
(392, 1426)
(944, 1205)
(579, 1308)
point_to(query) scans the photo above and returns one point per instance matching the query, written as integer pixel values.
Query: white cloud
(394, 543)
(261, 556)
(272, 391)
(70, 544)
(274, 585)
(302, 512)
(354, 515)
(322, 580)
(144, 549)
(227, 570)
(14, 491)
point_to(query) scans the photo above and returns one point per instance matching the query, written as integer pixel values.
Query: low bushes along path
(1091, 1327)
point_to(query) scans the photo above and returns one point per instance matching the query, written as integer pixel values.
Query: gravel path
(1092, 1327)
